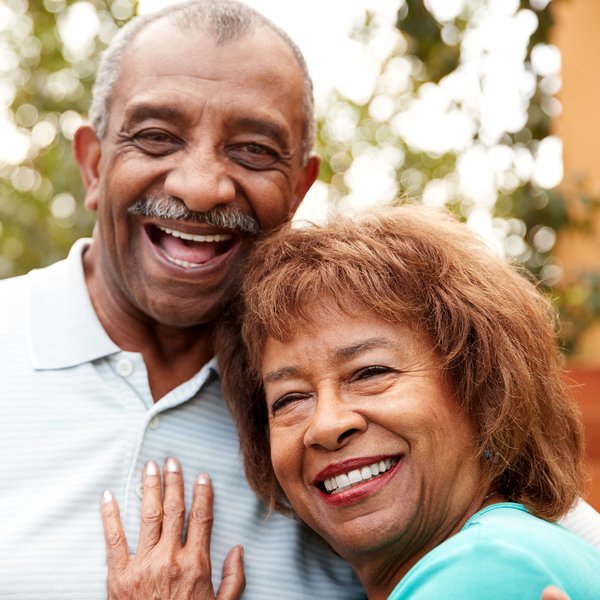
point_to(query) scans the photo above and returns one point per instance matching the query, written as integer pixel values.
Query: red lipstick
(359, 489)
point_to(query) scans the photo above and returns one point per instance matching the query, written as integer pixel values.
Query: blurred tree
(49, 51)
(458, 115)
(436, 116)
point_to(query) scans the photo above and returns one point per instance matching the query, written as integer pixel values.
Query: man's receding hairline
(210, 33)
(222, 27)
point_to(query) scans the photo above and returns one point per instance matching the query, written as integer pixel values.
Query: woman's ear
(87, 152)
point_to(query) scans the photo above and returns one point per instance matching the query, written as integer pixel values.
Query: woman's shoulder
(504, 551)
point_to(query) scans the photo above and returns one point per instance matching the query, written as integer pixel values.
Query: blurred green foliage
(526, 215)
(45, 83)
(48, 87)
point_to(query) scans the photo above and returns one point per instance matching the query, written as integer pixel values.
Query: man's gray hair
(225, 20)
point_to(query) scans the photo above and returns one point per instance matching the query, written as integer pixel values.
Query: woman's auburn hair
(492, 329)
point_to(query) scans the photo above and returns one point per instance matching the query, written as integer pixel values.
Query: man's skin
(206, 126)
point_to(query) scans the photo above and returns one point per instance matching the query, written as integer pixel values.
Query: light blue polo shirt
(77, 417)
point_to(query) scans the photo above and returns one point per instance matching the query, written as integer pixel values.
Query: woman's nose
(333, 423)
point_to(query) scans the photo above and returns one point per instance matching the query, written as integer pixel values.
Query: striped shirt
(77, 417)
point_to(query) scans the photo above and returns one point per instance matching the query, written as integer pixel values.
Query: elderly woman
(401, 393)
(398, 388)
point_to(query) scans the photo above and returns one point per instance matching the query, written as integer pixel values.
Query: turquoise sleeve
(482, 571)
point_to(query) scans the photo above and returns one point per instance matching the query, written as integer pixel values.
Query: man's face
(198, 127)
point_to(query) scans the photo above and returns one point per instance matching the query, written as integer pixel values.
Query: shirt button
(124, 367)
(154, 422)
(139, 490)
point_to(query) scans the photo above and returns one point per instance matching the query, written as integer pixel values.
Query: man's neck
(173, 363)
(172, 354)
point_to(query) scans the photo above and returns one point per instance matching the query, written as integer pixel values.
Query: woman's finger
(173, 504)
(200, 519)
(233, 580)
(152, 509)
(553, 593)
(117, 552)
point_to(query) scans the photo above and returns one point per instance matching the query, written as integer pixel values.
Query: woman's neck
(381, 570)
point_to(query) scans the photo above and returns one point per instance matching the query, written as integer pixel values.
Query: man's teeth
(345, 480)
(217, 237)
(181, 263)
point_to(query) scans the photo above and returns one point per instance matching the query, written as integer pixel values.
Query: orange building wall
(577, 34)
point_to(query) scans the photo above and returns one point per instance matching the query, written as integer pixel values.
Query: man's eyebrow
(142, 112)
(349, 352)
(279, 374)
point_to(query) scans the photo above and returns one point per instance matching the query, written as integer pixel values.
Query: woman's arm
(163, 567)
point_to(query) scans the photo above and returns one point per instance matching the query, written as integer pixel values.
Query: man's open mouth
(345, 481)
(190, 250)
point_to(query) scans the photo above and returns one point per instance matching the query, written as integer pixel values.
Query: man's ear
(309, 174)
(87, 152)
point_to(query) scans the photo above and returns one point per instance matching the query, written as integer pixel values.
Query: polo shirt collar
(62, 327)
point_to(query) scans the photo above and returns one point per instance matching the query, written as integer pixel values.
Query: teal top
(504, 552)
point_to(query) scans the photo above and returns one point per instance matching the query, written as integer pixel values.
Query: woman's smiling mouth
(346, 482)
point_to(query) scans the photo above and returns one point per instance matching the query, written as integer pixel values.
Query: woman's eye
(371, 371)
(286, 401)
(254, 156)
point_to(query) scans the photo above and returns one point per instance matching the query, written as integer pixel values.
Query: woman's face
(367, 440)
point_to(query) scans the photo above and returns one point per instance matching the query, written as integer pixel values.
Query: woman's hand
(163, 568)
(553, 593)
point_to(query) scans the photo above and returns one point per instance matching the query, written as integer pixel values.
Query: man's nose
(334, 422)
(201, 178)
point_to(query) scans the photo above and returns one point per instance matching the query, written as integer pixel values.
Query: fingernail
(107, 496)
(241, 551)
(203, 479)
(151, 468)
(171, 465)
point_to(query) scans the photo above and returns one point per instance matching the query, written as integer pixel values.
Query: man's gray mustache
(172, 209)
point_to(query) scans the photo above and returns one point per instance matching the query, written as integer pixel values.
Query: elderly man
(200, 138)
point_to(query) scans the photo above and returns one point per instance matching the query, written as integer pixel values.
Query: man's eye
(370, 372)
(254, 156)
(156, 142)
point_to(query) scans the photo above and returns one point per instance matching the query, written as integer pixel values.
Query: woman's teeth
(346, 480)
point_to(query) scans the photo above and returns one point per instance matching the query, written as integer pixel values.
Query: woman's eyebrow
(341, 354)
(280, 374)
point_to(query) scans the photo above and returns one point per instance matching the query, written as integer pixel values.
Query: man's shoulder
(15, 295)
(14, 281)
(12, 292)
